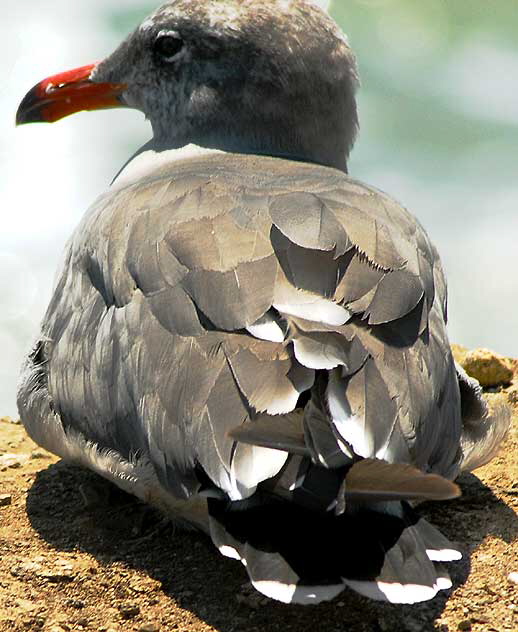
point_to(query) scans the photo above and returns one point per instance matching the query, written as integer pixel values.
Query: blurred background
(439, 117)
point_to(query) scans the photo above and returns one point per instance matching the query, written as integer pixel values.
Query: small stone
(64, 572)
(512, 395)
(513, 577)
(37, 454)
(5, 499)
(25, 605)
(36, 623)
(129, 611)
(488, 367)
(30, 567)
(464, 625)
(10, 420)
(12, 461)
(149, 627)
(251, 599)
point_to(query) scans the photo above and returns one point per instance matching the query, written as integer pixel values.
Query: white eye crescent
(167, 45)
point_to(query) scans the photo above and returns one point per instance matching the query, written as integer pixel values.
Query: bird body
(256, 341)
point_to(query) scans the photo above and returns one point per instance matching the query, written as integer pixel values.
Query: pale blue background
(439, 114)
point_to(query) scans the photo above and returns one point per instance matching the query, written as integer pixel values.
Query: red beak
(67, 93)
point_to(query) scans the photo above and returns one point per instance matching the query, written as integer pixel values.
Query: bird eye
(167, 46)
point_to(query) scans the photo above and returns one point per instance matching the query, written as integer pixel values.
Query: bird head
(257, 76)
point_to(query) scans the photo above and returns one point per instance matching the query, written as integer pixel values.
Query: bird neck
(326, 156)
(325, 151)
(319, 134)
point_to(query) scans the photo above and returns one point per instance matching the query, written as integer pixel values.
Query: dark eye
(167, 46)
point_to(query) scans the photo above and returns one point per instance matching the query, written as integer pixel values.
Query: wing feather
(168, 282)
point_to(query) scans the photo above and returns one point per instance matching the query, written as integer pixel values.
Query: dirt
(78, 554)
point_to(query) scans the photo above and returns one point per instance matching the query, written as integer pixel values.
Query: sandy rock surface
(488, 367)
(76, 554)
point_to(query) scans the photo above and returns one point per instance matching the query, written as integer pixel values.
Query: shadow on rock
(73, 509)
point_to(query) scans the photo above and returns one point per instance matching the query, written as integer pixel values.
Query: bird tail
(302, 547)
(481, 438)
(484, 429)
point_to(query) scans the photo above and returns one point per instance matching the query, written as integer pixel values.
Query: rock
(30, 567)
(459, 353)
(25, 605)
(512, 395)
(149, 627)
(464, 625)
(129, 611)
(488, 367)
(12, 461)
(36, 623)
(9, 420)
(513, 577)
(5, 499)
(63, 571)
(39, 454)
(250, 598)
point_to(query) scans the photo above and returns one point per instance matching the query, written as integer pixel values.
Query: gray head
(257, 76)
(261, 76)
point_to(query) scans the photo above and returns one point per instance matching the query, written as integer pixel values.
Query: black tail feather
(298, 555)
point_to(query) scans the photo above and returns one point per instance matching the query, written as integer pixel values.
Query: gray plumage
(262, 331)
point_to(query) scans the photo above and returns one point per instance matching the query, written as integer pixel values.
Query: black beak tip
(30, 109)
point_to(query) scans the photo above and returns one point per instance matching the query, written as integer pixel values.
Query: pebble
(464, 625)
(12, 461)
(252, 600)
(10, 420)
(513, 577)
(5, 499)
(129, 611)
(25, 605)
(149, 627)
(37, 454)
(62, 574)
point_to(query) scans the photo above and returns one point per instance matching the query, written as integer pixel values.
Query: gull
(241, 333)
